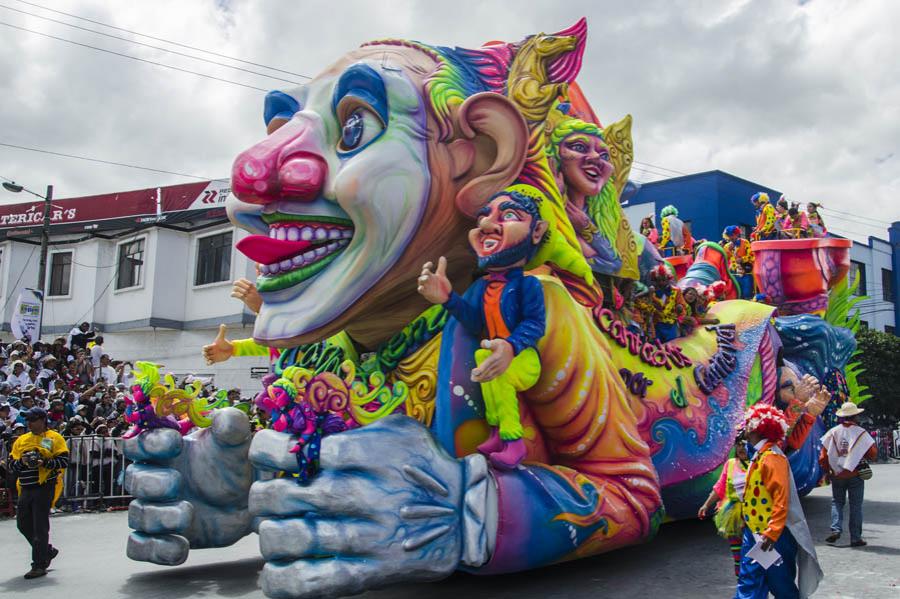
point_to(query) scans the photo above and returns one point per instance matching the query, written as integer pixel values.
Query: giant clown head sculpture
(388, 152)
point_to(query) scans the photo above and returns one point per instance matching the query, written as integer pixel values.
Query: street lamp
(45, 227)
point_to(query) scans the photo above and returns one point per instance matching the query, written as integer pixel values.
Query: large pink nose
(285, 165)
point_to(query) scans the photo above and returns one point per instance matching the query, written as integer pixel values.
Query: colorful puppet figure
(670, 309)
(648, 229)
(671, 241)
(773, 514)
(816, 224)
(506, 304)
(290, 411)
(585, 172)
(740, 259)
(765, 218)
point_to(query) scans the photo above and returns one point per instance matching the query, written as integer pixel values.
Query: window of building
(213, 259)
(858, 269)
(863, 324)
(131, 264)
(60, 273)
(887, 285)
(890, 330)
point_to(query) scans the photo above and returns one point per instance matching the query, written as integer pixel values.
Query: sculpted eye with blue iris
(358, 129)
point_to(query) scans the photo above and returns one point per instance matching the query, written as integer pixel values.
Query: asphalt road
(686, 561)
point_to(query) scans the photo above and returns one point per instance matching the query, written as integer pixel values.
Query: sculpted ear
(491, 151)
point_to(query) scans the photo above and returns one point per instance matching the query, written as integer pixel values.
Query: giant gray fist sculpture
(389, 504)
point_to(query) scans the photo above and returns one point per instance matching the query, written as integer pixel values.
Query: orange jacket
(774, 472)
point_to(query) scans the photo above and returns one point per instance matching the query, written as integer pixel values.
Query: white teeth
(306, 233)
(293, 234)
(321, 234)
(272, 233)
(320, 251)
(332, 246)
(346, 233)
(343, 242)
(264, 269)
(309, 256)
(297, 261)
(334, 234)
(280, 234)
(285, 264)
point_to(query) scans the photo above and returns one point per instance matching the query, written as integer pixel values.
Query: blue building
(708, 201)
(712, 200)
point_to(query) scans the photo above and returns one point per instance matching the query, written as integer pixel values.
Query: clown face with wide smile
(335, 193)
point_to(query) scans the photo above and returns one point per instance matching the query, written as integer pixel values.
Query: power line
(855, 216)
(159, 64)
(125, 39)
(159, 39)
(659, 167)
(143, 168)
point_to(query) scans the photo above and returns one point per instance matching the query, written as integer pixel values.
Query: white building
(872, 263)
(150, 269)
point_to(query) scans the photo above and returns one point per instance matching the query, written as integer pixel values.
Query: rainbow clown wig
(767, 421)
(760, 197)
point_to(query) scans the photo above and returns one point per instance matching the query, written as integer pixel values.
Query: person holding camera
(38, 458)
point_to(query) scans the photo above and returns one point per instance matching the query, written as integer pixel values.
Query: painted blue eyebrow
(484, 211)
(363, 82)
(279, 105)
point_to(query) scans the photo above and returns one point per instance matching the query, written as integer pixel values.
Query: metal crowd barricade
(96, 472)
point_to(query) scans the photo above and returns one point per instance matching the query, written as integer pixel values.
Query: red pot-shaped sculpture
(796, 274)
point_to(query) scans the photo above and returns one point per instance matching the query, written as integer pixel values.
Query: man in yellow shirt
(38, 458)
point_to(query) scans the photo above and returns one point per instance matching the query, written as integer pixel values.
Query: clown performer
(648, 229)
(509, 306)
(796, 224)
(672, 237)
(740, 259)
(670, 309)
(782, 220)
(727, 495)
(773, 516)
(765, 218)
(816, 224)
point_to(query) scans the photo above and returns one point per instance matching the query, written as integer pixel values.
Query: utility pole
(45, 241)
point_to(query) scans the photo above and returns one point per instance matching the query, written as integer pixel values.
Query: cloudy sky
(803, 97)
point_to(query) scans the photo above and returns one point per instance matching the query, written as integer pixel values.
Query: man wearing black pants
(38, 457)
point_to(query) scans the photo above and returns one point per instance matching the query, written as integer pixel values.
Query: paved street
(687, 561)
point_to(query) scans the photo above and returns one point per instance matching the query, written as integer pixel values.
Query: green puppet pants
(501, 404)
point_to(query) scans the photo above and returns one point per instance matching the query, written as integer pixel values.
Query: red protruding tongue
(266, 250)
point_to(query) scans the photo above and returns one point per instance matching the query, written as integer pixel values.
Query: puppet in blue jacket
(506, 307)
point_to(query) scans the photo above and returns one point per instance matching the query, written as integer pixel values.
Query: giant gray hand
(389, 505)
(189, 492)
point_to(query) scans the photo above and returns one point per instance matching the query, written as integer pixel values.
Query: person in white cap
(844, 449)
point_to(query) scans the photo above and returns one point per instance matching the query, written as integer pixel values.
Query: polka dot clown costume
(773, 516)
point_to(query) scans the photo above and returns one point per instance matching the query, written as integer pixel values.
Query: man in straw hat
(844, 448)
(773, 516)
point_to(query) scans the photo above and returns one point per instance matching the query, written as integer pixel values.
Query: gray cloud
(801, 97)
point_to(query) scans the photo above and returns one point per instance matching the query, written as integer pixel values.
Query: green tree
(879, 357)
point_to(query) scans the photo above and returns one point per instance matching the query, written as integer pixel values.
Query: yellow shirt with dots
(767, 493)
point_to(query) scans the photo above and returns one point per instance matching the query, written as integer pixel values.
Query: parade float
(480, 365)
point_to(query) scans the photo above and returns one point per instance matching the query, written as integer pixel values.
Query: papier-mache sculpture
(386, 160)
